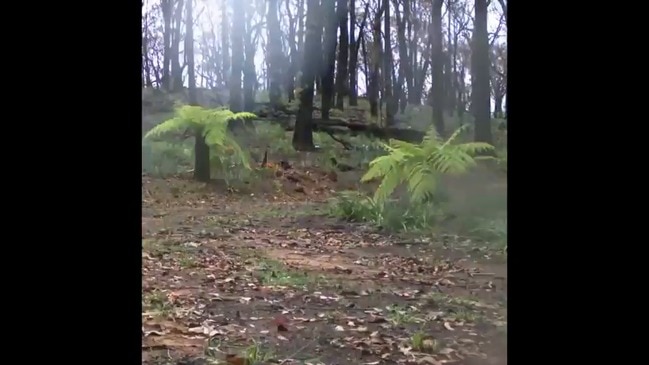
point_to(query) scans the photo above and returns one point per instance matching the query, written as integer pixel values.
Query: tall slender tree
(438, 67)
(303, 133)
(387, 67)
(201, 149)
(480, 67)
(225, 42)
(329, 55)
(236, 40)
(342, 73)
(353, 55)
(274, 53)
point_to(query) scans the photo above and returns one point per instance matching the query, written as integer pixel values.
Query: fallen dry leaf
(172, 341)
(448, 326)
(235, 360)
(429, 360)
(281, 322)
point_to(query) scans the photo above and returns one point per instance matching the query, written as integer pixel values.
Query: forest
(292, 145)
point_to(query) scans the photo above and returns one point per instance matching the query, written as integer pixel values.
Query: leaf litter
(216, 286)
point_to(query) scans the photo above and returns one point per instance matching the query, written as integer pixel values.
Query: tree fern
(214, 126)
(418, 166)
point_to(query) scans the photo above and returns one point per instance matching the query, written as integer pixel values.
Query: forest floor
(245, 279)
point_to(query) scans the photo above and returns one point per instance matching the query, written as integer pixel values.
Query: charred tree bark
(249, 71)
(293, 55)
(236, 40)
(405, 69)
(329, 55)
(225, 42)
(176, 68)
(303, 133)
(274, 54)
(415, 84)
(343, 54)
(353, 56)
(498, 103)
(438, 68)
(201, 149)
(449, 74)
(480, 67)
(249, 75)
(147, 81)
(375, 60)
(300, 27)
(167, 10)
(387, 68)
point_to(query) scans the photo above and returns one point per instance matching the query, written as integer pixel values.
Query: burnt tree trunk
(236, 40)
(303, 133)
(438, 68)
(390, 107)
(343, 54)
(176, 68)
(167, 10)
(353, 56)
(375, 61)
(293, 55)
(329, 55)
(274, 54)
(201, 149)
(225, 43)
(414, 84)
(405, 69)
(480, 67)
(249, 72)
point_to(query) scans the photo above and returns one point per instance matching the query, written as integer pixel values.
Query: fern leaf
(244, 115)
(474, 148)
(389, 183)
(454, 136)
(168, 126)
(379, 167)
(421, 182)
(405, 147)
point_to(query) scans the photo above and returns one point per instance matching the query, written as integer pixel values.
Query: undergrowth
(410, 197)
(407, 195)
(393, 215)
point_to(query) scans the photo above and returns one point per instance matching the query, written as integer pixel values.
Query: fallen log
(331, 126)
(339, 126)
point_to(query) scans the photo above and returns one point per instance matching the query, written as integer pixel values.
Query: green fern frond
(419, 165)
(454, 136)
(474, 148)
(243, 115)
(381, 166)
(405, 148)
(172, 125)
(389, 183)
(421, 182)
(431, 136)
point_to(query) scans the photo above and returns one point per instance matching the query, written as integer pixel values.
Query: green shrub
(418, 167)
(400, 216)
(353, 206)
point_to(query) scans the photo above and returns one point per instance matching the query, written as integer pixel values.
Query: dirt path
(259, 281)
